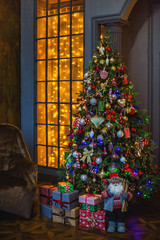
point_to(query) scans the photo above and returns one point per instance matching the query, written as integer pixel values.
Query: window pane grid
(57, 39)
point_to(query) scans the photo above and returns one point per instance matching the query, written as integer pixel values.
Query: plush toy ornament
(115, 200)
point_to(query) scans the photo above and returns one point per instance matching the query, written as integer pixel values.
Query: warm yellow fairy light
(52, 74)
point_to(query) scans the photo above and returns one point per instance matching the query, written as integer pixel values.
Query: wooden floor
(143, 223)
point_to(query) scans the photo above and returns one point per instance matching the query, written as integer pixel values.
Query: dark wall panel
(10, 61)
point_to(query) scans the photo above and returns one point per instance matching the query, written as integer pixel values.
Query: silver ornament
(94, 179)
(120, 134)
(98, 160)
(100, 138)
(82, 121)
(107, 61)
(75, 165)
(83, 177)
(67, 165)
(91, 145)
(86, 75)
(93, 101)
(91, 134)
(74, 154)
(122, 159)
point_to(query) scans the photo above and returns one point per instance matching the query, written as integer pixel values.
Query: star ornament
(102, 174)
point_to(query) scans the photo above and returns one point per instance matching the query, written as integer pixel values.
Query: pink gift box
(92, 199)
(93, 219)
(45, 192)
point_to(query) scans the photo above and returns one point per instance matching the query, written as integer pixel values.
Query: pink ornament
(88, 116)
(103, 74)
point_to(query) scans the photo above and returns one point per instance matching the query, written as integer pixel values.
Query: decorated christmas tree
(109, 132)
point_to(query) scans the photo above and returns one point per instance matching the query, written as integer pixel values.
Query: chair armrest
(25, 169)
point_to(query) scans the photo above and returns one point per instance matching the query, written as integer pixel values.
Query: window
(59, 75)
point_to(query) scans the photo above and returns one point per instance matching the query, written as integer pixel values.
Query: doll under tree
(109, 132)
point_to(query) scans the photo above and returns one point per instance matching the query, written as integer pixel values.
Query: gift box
(70, 217)
(65, 200)
(65, 187)
(46, 210)
(93, 208)
(45, 192)
(92, 199)
(91, 202)
(93, 219)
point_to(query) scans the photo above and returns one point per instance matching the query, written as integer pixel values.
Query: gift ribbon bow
(92, 220)
(87, 154)
(128, 169)
(111, 114)
(63, 204)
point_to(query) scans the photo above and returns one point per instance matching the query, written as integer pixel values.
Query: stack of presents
(63, 205)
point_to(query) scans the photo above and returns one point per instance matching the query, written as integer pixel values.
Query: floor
(143, 223)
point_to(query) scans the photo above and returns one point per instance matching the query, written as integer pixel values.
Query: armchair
(18, 173)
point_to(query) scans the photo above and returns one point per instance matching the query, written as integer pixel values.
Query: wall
(10, 61)
(143, 51)
(100, 8)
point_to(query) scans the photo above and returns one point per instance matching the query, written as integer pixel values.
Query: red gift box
(93, 219)
(45, 192)
(127, 133)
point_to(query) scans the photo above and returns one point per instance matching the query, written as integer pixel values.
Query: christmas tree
(109, 132)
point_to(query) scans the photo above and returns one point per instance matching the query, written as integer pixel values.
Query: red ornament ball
(82, 99)
(69, 144)
(93, 87)
(133, 129)
(94, 163)
(140, 173)
(156, 172)
(132, 110)
(128, 152)
(84, 165)
(130, 96)
(109, 49)
(121, 121)
(122, 69)
(98, 69)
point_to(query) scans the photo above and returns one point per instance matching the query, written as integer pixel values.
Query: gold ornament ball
(108, 105)
(84, 107)
(102, 61)
(128, 110)
(125, 118)
(67, 177)
(113, 68)
(111, 59)
(74, 145)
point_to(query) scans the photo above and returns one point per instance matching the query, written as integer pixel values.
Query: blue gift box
(46, 210)
(65, 200)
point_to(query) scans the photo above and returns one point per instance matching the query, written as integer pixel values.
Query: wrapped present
(93, 219)
(65, 187)
(91, 202)
(45, 192)
(70, 217)
(93, 208)
(65, 200)
(92, 199)
(46, 210)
